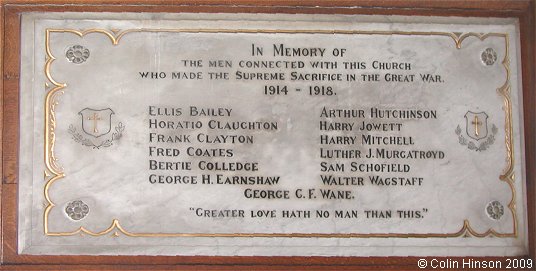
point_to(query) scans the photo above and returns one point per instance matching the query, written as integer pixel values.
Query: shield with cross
(96, 122)
(476, 125)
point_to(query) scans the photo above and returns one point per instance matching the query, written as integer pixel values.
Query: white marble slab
(116, 106)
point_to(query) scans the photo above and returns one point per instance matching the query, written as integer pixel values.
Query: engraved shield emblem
(476, 125)
(96, 122)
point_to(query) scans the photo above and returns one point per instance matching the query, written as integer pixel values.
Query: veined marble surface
(360, 135)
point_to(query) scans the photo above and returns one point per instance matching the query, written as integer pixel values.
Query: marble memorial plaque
(235, 134)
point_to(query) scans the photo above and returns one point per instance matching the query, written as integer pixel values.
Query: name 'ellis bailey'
(193, 111)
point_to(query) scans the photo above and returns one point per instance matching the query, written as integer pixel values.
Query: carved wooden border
(11, 10)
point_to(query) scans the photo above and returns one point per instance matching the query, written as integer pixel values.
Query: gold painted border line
(54, 172)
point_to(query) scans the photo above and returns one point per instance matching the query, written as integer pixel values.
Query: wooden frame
(524, 10)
